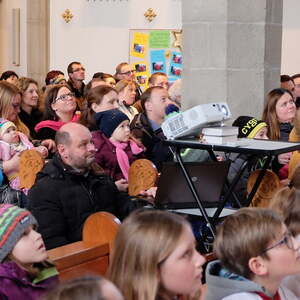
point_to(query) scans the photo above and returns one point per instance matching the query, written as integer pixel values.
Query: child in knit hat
(116, 151)
(25, 272)
(251, 128)
(11, 143)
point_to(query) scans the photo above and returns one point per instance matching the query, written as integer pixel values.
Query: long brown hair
(143, 242)
(95, 95)
(7, 92)
(269, 113)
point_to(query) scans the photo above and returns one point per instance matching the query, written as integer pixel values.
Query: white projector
(191, 121)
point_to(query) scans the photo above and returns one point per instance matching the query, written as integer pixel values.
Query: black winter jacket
(62, 199)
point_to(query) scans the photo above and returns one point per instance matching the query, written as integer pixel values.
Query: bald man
(71, 187)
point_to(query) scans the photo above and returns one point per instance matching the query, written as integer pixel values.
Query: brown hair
(153, 77)
(95, 95)
(81, 288)
(286, 203)
(122, 84)
(144, 241)
(7, 92)
(269, 113)
(119, 68)
(244, 235)
(147, 95)
(50, 96)
(23, 84)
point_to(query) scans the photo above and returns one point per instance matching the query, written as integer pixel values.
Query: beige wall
(290, 61)
(98, 35)
(6, 7)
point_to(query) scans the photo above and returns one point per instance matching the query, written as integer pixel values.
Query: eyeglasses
(78, 69)
(128, 72)
(287, 240)
(64, 97)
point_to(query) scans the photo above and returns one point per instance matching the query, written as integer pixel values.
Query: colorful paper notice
(175, 69)
(159, 39)
(142, 73)
(158, 61)
(139, 46)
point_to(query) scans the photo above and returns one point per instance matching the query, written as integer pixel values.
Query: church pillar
(232, 52)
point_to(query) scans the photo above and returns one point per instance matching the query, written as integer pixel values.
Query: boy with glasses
(256, 252)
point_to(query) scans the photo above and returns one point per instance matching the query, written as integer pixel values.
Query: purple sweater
(106, 155)
(16, 284)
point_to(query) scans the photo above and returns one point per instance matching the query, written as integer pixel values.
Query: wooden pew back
(80, 258)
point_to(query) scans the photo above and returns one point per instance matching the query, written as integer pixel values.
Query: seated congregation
(88, 136)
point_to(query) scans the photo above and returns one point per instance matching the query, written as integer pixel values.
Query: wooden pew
(80, 258)
(90, 256)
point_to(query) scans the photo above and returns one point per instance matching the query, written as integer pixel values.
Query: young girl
(98, 99)
(11, 143)
(154, 258)
(25, 272)
(115, 150)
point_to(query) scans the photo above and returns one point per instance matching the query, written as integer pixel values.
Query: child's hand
(122, 185)
(43, 150)
(284, 158)
(49, 144)
(12, 164)
(150, 192)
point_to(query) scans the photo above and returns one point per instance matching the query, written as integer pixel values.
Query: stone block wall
(232, 51)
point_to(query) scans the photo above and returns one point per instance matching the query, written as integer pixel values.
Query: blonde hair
(286, 203)
(244, 235)
(122, 84)
(143, 242)
(7, 92)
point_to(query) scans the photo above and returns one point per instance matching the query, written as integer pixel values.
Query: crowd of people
(89, 135)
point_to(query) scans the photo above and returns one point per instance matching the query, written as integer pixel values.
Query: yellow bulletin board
(155, 51)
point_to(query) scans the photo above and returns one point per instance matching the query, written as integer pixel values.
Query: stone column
(232, 52)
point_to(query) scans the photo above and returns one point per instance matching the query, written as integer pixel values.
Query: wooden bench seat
(80, 258)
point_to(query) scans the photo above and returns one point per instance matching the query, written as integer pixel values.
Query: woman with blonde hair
(30, 114)
(10, 103)
(154, 258)
(127, 91)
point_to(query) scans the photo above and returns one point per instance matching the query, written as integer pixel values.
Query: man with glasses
(256, 252)
(76, 74)
(125, 71)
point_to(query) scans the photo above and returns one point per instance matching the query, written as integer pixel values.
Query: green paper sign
(159, 39)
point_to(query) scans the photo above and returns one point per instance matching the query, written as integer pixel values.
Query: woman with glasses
(60, 108)
(29, 114)
(126, 92)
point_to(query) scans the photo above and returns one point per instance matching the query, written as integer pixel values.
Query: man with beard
(71, 187)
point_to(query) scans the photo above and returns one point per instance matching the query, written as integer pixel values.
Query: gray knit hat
(13, 223)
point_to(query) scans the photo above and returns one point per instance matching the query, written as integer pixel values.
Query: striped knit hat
(13, 223)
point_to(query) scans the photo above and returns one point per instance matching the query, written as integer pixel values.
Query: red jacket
(106, 155)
